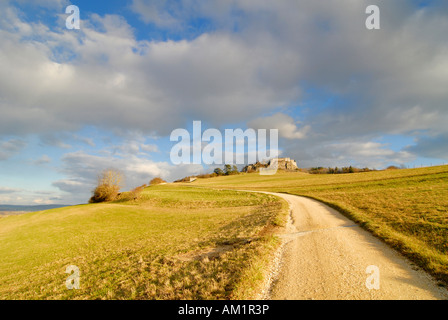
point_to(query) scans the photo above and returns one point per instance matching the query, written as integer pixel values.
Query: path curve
(326, 256)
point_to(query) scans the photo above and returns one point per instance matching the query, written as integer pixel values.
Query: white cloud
(135, 146)
(11, 147)
(16, 196)
(82, 170)
(72, 186)
(155, 11)
(6, 190)
(44, 159)
(55, 140)
(88, 141)
(118, 82)
(355, 151)
(42, 201)
(262, 57)
(57, 4)
(285, 124)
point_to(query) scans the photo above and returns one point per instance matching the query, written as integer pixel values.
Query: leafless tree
(109, 184)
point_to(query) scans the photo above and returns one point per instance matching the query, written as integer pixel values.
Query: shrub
(230, 170)
(186, 179)
(156, 181)
(108, 188)
(207, 175)
(318, 170)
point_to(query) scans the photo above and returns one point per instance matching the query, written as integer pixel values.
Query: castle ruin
(286, 164)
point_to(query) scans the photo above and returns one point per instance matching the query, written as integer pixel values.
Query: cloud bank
(308, 68)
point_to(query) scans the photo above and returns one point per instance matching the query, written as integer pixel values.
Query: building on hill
(286, 164)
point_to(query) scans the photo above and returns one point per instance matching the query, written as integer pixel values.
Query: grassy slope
(406, 208)
(174, 243)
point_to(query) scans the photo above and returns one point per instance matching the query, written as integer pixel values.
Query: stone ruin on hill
(286, 164)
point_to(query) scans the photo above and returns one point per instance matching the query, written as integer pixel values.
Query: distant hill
(6, 207)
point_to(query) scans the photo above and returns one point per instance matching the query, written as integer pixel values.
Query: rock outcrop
(286, 164)
(254, 167)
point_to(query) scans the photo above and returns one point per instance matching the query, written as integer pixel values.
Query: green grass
(408, 209)
(173, 243)
(203, 241)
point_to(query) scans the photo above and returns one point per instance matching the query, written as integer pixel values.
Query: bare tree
(109, 184)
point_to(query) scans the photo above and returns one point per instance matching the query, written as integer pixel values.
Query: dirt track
(326, 256)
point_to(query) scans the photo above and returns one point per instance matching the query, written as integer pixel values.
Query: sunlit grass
(406, 208)
(137, 249)
(188, 241)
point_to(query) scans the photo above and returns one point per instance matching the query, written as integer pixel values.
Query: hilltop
(202, 240)
(406, 208)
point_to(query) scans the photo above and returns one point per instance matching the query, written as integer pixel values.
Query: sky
(76, 102)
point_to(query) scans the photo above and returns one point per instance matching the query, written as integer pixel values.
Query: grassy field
(202, 241)
(406, 208)
(173, 243)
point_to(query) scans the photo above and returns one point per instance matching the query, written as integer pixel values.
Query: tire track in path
(326, 257)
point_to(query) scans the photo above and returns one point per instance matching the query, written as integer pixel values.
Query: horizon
(3, 205)
(109, 94)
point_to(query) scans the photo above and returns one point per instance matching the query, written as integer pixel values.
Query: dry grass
(406, 208)
(136, 249)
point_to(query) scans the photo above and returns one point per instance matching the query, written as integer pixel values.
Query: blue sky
(75, 102)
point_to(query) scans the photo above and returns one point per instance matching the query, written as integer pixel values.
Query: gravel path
(326, 256)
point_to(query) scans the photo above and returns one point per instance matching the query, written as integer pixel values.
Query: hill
(203, 240)
(407, 208)
(173, 243)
